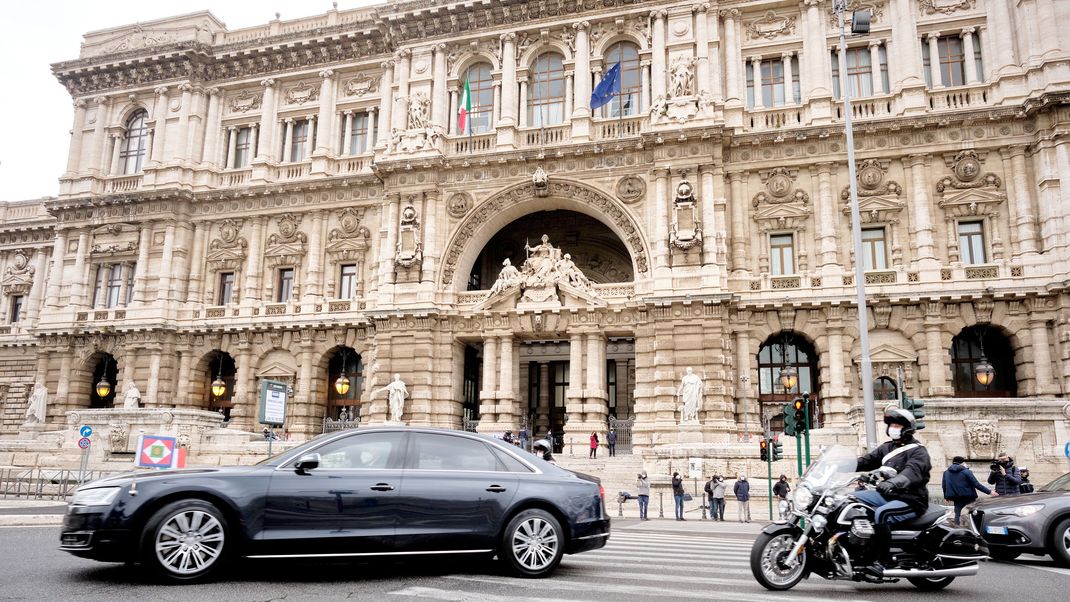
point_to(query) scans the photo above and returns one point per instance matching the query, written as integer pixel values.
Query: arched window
(346, 361)
(973, 346)
(626, 103)
(546, 91)
(135, 143)
(787, 350)
(885, 389)
(479, 119)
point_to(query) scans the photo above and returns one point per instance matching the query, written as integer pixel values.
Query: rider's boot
(881, 544)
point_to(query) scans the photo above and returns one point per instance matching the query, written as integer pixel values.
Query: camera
(994, 467)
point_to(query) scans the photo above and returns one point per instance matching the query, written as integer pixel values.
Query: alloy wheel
(534, 544)
(773, 557)
(189, 542)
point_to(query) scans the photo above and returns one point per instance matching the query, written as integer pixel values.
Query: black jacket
(913, 467)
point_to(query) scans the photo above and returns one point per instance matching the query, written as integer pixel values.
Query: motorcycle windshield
(833, 468)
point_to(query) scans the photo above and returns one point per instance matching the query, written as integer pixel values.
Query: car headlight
(1024, 511)
(802, 498)
(97, 496)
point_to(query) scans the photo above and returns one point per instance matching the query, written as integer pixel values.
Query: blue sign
(84, 443)
(85, 431)
(1066, 450)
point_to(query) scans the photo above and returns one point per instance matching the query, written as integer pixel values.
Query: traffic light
(799, 408)
(790, 424)
(914, 406)
(764, 445)
(778, 449)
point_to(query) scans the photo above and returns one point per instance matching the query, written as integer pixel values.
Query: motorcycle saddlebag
(952, 543)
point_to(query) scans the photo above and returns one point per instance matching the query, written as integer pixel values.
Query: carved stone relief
(409, 252)
(631, 189)
(287, 247)
(946, 7)
(245, 101)
(360, 85)
(982, 438)
(771, 26)
(459, 204)
(301, 93)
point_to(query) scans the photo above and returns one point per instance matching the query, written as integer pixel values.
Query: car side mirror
(887, 471)
(306, 463)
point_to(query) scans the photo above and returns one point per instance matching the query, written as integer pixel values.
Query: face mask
(895, 432)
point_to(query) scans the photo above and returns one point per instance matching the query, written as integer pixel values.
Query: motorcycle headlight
(802, 498)
(1021, 511)
(783, 506)
(98, 496)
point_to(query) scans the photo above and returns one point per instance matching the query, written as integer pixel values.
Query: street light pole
(856, 236)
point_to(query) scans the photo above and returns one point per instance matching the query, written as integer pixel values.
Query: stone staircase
(13, 408)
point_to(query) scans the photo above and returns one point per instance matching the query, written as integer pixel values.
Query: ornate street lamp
(789, 377)
(104, 387)
(342, 384)
(219, 386)
(984, 372)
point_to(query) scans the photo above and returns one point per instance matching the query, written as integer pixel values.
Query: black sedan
(372, 492)
(1034, 523)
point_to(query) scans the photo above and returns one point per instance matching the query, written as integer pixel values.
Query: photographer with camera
(1005, 475)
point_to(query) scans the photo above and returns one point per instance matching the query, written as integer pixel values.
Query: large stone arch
(519, 200)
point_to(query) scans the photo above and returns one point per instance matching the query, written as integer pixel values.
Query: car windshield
(1060, 484)
(835, 467)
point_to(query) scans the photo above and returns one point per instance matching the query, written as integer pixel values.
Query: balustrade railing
(958, 98)
(473, 144)
(759, 120)
(124, 184)
(620, 128)
(238, 177)
(543, 136)
(294, 171)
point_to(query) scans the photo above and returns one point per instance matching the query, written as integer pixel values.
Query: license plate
(996, 530)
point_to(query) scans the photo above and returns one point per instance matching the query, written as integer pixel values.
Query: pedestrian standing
(594, 445)
(718, 497)
(643, 485)
(678, 494)
(961, 487)
(1026, 486)
(709, 496)
(611, 441)
(742, 491)
(781, 489)
(1005, 476)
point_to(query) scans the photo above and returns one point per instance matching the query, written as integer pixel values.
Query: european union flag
(606, 88)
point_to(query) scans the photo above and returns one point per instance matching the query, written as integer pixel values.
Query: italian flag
(464, 108)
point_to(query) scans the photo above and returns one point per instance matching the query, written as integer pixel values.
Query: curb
(31, 520)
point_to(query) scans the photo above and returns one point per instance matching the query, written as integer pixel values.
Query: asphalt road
(643, 561)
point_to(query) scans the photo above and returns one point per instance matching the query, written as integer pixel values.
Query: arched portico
(518, 201)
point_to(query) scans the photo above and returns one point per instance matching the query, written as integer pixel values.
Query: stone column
(935, 351)
(232, 147)
(163, 293)
(542, 423)
(244, 387)
(287, 138)
(497, 113)
(746, 415)
(1024, 232)
(574, 401)
(265, 145)
(116, 146)
(836, 364)
(919, 199)
(401, 117)
(196, 273)
(55, 274)
(178, 147)
(63, 388)
(388, 254)
(816, 70)
(1004, 59)
(644, 85)
(506, 391)
(657, 56)
(733, 95)
(369, 140)
(874, 68)
(523, 121)
(386, 102)
(1041, 356)
(1052, 225)
(739, 225)
(153, 393)
(74, 155)
(430, 235)
(709, 215)
(905, 62)
(661, 218)
(454, 110)
(314, 257)
(96, 160)
(826, 227)
(310, 139)
(182, 395)
(934, 59)
(212, 127)
(79, 290)
(509, 83)
(440, 94)
(488, 396)
(968, 51)
(702, 48)
(581, 109)
(37, 289)
(597, 404)
(124, 274)
(141, 270)
(325, 133)
(347, 133)
(756, 70)
(252, 261)
(789, 86)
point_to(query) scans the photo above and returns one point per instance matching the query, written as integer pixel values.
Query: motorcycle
(827, 531)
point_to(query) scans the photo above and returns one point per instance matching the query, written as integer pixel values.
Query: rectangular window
(299, 135)
(559, 374)
(347, 282)
(859, 72)
(874, 249)
(611, 385)
(100, 286)
(286, 285)
(130, 283)
(115, 284)
(358, 134)
(775, 92)
(243, 147)
(16, 309)
(952, 60)
(782, 254)
(972, 242)
(226, 288)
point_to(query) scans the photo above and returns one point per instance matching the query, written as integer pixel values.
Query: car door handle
(382, 487)
(495, 489)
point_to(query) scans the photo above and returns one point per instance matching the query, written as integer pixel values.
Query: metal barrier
(44, 483)
(623, 430)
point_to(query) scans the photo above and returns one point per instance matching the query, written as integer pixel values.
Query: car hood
(997, 503)
(182, 473)
(586, 477)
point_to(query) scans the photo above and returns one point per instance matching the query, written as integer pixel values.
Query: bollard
(661, 504)
(704, 508)
(620, 508)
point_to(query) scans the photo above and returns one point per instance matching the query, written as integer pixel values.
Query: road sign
(156, 452)
(1066, 450)
(86, 430)
(84, 443)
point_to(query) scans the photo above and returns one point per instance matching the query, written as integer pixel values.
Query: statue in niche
(540, 262)
(396, 395)
(131, 396)
(37, 411)
(682, 77)
(419, 111)
(508, 276)
(690, 393)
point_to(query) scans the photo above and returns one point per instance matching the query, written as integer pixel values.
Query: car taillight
(602, 492)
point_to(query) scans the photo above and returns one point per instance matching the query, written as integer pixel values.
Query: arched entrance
(781, 351)
(215, 365)
(105, 370)
(496, 213)
(977, 344)
(345, 383)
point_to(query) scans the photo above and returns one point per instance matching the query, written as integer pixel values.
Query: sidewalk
(31, 513)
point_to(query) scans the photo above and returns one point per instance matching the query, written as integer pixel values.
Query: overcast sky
(37, 110)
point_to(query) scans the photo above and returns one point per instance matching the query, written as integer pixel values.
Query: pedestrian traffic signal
(914, 406)
(778, 449)
(764, 445)
(790, 424)
(799, 408)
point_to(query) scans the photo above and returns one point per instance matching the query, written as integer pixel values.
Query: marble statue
(419, 111)
(131, 396)
(396, 394)
(659, 108)
(571, 273)
(538, 268)
(690, 392)
(681, 77)
(506, 277)
(38, 408)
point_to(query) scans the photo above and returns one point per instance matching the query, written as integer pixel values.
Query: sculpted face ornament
(870, 177)
(228, 231)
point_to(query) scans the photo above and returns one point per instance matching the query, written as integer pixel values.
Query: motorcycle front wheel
(767, 557)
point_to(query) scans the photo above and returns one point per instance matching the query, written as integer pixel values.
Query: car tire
(185, 541)
(1060, 542)
(532, 544)
(1003, 553)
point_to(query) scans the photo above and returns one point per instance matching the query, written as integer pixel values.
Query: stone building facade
(299, 201)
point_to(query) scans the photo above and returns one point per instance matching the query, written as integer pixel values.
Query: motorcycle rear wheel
(766, 556)
(930, 585)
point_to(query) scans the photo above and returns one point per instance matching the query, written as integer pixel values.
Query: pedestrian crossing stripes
(639, 565)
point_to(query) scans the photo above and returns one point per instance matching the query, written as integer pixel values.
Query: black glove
(896, 482)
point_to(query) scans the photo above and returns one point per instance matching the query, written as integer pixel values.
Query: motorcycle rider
(903, 496)
(541, 448)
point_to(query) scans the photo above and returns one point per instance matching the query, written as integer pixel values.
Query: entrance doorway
(106, 371)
